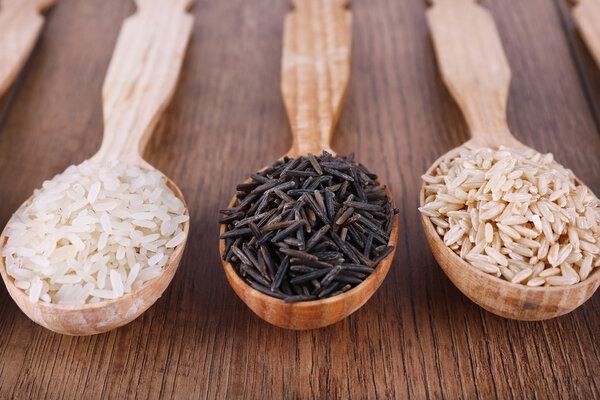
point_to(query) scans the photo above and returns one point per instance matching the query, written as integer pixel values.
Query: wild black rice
(308, 228)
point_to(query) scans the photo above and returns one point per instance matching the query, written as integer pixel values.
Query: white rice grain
(92, 233)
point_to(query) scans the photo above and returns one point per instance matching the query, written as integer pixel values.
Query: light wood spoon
(587, 17)
(475, 70)
(20, 26)
(314, 75)
(139, 84)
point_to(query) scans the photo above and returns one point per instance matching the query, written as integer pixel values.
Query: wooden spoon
(314, 76)
(20, 25)
(475, 70)
(587, 17)
(139, 84)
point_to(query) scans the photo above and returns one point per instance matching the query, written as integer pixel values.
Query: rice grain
(516, 214)
(94, 232)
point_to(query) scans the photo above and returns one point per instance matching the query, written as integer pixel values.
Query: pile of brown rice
(93, 233)
(516, 214)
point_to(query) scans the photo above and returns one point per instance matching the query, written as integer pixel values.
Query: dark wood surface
(418, 336)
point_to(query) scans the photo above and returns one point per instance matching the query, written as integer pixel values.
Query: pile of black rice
(308, 228)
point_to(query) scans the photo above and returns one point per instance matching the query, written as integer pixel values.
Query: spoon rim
(15, 291)
(592, 278)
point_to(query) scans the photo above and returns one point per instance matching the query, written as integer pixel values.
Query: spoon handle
(587, 17)
(473, 66)
(20, 25)
(314, 70)
(141, 77)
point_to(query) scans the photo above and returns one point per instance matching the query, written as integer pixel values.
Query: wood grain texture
(141, 77)
(315, 68)
(473, 67)
(418, 336)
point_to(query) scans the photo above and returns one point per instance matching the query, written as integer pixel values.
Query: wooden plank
(419, 335)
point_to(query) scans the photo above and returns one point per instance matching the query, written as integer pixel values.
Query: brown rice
(516, 214)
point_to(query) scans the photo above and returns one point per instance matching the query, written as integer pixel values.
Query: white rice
(516, 214)
(94, 232)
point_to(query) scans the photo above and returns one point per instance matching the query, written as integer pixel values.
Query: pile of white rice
(515, 214)
(92, 233)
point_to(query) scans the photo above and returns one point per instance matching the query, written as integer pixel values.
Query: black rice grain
(308, 228)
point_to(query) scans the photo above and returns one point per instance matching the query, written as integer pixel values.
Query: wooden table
(418, 336)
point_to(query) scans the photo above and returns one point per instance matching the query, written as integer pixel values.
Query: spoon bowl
(499, 296)
(309, 314)
(90, 319)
